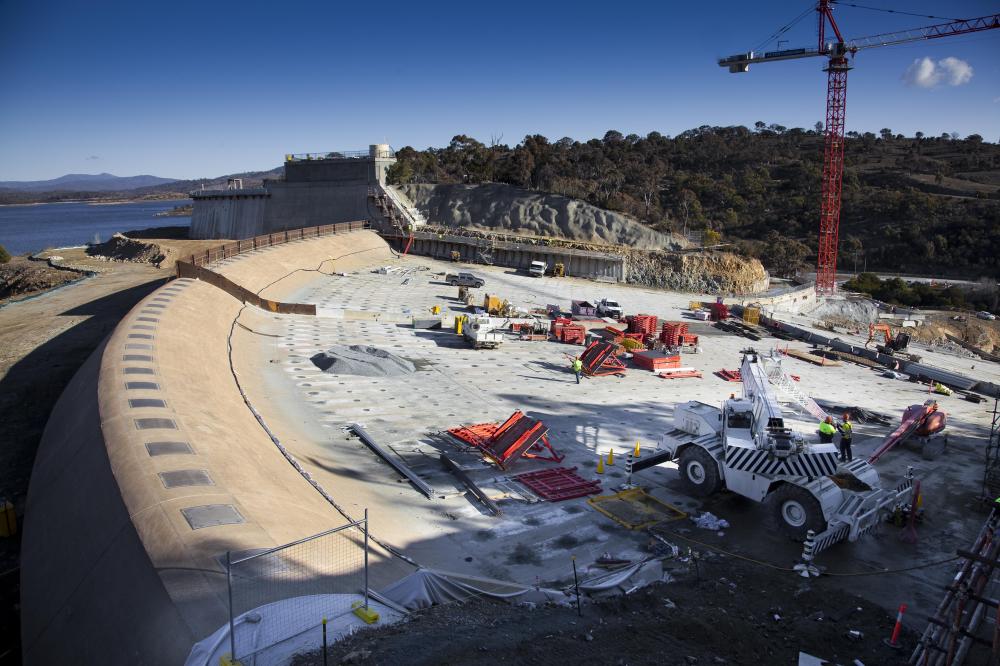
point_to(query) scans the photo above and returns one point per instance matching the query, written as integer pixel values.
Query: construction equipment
(481, 332)
(923, 422)
(583, 309)
(456, 256)
(558, 270)
(520, 436)
(836, 102)
(893, 343)
(600, 359)
(745, 447)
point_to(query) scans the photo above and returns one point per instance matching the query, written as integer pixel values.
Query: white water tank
(379, 150)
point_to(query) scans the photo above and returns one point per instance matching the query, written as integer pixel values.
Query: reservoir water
(34, 227)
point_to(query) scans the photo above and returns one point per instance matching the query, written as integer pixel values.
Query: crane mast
(836, 109)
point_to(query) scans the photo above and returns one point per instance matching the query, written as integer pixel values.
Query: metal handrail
(269, 240)
(338, 155)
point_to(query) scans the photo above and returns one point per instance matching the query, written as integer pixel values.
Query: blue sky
(189, 90)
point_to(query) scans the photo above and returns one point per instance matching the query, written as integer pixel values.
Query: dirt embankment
(701, 272)
(498, 207)
(21, 277)
(122, 248)
(976, 332)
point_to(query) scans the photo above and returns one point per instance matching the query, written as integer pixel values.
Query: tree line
(914, 204)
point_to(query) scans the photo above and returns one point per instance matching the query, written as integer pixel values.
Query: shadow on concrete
(445, 339)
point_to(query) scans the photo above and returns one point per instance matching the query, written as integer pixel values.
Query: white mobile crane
(746, 448)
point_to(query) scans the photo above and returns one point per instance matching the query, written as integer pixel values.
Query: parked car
(609, 308)
(983, 314)
(464, 280)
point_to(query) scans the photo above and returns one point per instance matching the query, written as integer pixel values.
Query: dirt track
(729, 612)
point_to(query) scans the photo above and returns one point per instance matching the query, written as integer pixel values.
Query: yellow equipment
(456, 255)
(751, 315)
(558, 270)
(492, 304)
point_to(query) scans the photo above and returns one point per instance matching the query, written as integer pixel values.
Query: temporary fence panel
(295, 586)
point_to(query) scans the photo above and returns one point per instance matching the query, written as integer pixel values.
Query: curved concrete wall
(116, 565)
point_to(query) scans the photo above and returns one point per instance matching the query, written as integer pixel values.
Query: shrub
(4, 255)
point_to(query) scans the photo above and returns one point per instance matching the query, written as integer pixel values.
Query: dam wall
(317, 189)
(152, 467)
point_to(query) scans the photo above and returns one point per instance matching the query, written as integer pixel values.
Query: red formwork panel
(558, 484)
(600, 359)
(655, 360)
(729, 375)
(519, 436)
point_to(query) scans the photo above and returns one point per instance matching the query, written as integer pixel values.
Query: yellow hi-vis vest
(827, 428)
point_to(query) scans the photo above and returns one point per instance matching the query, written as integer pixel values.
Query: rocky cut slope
(504, 208)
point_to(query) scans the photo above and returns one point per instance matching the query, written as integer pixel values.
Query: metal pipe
(366, 558)
(232, 625)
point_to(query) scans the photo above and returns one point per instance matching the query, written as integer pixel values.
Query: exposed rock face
(702, 272)
(504, 208)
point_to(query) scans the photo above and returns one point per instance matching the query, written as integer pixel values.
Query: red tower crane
(836, 104)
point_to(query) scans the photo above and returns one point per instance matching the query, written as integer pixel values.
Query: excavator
(893, 343)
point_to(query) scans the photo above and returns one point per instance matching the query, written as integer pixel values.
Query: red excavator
(924, 423)
(893, 343)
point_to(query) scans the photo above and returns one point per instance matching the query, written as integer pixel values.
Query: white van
(537, 268)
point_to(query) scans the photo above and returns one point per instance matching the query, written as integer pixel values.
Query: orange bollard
(893, 641)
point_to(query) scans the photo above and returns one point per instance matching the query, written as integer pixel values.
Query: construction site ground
(728, 612)
(310, 411)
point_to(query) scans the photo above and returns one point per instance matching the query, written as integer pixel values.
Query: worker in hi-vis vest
(577, 368)
(827, 430)
(846, 435)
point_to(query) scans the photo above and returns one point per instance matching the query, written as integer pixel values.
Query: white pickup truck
(608, 308)
(537, 268)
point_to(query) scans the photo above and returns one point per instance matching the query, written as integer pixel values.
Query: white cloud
(925, 73)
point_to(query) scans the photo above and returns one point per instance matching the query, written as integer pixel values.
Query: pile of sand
(498, 207)
(362, 360)
(122, 248)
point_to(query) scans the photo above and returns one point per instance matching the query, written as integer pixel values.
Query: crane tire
(796, 511)
(699, 472)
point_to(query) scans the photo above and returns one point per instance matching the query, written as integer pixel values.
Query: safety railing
(339, 155)
(239, 247)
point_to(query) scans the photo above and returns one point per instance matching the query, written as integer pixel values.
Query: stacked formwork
(675, 334)
(642, 323)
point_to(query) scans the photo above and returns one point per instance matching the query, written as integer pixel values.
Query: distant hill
(65, 189)
(87, 182)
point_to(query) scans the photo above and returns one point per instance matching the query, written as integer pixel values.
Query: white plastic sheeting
(266, 631)
(426, 587)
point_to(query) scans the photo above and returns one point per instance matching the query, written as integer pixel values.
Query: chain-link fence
(280, 595)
